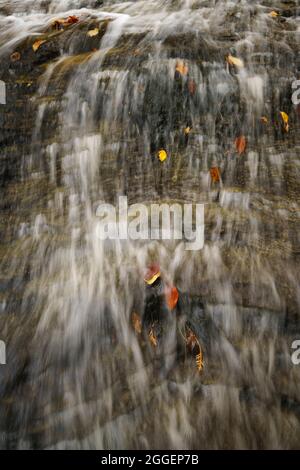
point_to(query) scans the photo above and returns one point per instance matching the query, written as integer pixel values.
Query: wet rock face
(84, 119)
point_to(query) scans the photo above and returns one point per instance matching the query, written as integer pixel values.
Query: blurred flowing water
(75, 375)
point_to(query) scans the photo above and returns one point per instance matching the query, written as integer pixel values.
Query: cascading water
(84, 119)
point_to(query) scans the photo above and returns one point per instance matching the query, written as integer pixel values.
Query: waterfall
(83, 121)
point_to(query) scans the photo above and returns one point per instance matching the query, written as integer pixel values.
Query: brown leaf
(136, 322)
(240, 144)
(264, 120)
(215, 174)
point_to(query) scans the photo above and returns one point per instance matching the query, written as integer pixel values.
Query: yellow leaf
(162, 155)
(234, 61)
(37, 44)
(273, 14)
(93, 32)
(181, 68)
(187, 130)
(285, 119)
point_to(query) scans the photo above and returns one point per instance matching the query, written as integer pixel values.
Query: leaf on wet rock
(15, 56)
(187, 130)
(235, 61)
(37, 44)
(162, 155)
(72, 19)
(181, 68)
(172, 297)
(285, 119)
(273, 14)
(215, 174)
(240, 144)
(136, 322)
(93, 32)
(152, 338)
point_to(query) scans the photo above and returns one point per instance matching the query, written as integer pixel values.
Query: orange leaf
(181, 68)
(152, 338)
(172, 297)
(37, 44)
(215, 174)
(136, 323)
(235, 61)
(240, 144)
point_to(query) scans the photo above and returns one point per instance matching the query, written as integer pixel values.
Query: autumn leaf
(181, 68)
(72, 19)
(152, 274)
(136, 322)
(285, 119)
(93, 32)
(240, 144)
(235, 61)
(37, 44)
(199, 360)
(171, 297)
(152, 338)
(264, 120)
(15, 56)
(215, 174)
(162, 155)
(187, 130)
(273, 14)
(192, 343)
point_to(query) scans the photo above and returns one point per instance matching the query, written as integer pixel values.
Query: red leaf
(172, 297)
(240, 144)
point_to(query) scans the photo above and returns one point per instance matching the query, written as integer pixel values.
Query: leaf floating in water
(235, 61)
(181, 68)
(37, 44)
(136, 322)
(240, 144)
(93, 32)
(15, 56)
(273, 14)
(285, 119)
(215, 174)
(152, 338)
(162, 155)
(264, 120)
(172, 297)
